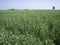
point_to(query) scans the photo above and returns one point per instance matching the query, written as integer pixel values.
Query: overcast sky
(29, 4)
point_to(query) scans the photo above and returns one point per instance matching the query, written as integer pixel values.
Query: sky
(29, 4)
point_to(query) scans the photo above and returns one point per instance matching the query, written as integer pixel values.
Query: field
(29, 27)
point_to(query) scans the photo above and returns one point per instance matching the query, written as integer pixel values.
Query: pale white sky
(29, 4)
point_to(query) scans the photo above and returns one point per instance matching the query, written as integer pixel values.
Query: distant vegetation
(30, 27)
(11, 9)
(26, 9)
(53, 7)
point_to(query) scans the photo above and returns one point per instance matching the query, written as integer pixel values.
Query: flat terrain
(29, 27)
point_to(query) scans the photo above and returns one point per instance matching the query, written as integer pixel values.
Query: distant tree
(11, 9)
(53, 7)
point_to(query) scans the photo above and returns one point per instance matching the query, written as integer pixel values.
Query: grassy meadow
(29, 27)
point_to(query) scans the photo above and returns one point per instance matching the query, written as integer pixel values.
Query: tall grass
(29, 27)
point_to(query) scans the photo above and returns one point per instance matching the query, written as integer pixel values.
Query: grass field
(29, 27)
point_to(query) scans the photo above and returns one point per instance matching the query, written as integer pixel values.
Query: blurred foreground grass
(29, 27)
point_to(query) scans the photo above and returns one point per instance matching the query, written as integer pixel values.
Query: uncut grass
(38, 24)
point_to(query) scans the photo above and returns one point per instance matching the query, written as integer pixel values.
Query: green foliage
(29, 27)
